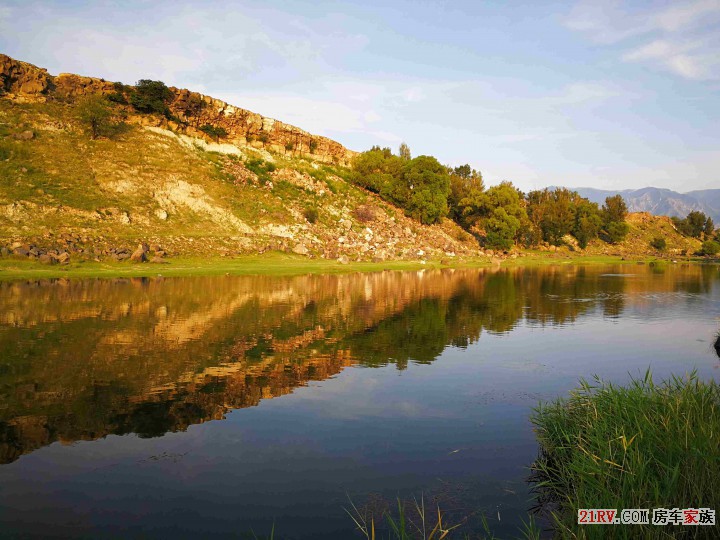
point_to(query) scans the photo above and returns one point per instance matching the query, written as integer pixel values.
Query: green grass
(279, 264)
(646, 445)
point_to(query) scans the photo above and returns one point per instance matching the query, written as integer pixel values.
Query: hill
(663, 202)
(163, 181)
(201, 177)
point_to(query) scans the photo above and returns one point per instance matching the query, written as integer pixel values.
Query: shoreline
(283, 264)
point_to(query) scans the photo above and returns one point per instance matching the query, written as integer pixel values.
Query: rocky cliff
(25, 81)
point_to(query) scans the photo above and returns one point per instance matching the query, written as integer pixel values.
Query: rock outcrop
(192, 110)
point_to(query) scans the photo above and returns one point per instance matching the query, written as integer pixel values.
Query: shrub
(263, 138)
(151, 97)
(289, 146)
(658, 243)
(313, 146)
(709, 247)
(616, 231)
(311, 214)
(214, 132)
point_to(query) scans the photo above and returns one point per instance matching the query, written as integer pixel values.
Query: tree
(709, 228)
(614, 209)
(465, 185)
(423, 189)
(95, 112)
(151, 97)
(587, 222)
(377, 169)
(614, 212)
(404, 152)
(500, 211)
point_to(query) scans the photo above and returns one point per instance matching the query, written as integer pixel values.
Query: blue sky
(605, 94)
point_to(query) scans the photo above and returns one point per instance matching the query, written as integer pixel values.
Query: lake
(213, 406)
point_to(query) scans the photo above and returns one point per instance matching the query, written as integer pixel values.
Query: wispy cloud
(681, 39)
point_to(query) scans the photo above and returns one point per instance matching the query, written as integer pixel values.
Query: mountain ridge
(660, 201)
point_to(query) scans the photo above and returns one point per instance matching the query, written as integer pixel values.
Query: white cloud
(683, 38)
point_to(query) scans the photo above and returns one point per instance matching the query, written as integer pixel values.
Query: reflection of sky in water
(456, 427)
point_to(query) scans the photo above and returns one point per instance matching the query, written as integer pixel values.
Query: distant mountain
(662, 202)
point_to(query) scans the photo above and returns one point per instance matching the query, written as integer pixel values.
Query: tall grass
(645, 445)
(413, 520)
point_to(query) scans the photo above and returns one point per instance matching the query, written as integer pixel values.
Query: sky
(601, 93)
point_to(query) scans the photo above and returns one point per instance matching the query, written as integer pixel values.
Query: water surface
(188, 407)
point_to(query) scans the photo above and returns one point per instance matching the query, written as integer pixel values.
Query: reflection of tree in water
(79, 360)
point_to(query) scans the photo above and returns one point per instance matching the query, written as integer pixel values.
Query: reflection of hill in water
(83, 359)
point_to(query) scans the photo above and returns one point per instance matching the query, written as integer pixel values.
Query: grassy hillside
(188, 196)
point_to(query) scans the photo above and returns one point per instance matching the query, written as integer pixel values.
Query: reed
(645, 445)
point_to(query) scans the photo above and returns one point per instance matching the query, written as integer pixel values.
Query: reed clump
(644, 445)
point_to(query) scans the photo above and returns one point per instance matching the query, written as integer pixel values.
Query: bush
(617, 231)
(263, 138)
(658, 243)
(215, 132)
(313, 146)
(364, 213)
(151, 97)
(709, 247)
(311, 214)
(289, 146)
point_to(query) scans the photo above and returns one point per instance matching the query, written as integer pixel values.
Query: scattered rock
(47, 259)
(342, 259)
(161, 214)
(300, 249)
(158, 260)
(63, 258)
(24, 135)
(4, 252)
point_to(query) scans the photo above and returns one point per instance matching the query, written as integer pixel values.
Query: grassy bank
(646, 445)
(266, 264)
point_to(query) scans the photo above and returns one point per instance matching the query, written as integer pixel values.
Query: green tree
(501, 227)
(151, 97)
(587, 221)
(404, 152)
(465, 185)
(693, 225)
(377, 169)
(422, 190)
(95, 113)
(709, 228)
(614, 212)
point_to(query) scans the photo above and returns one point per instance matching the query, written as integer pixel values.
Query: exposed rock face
(22, 78)
(195, 110)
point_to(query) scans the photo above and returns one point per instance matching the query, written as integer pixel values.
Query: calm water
(183, 408)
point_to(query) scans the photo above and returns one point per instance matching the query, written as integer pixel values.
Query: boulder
(300, 249)
(47, 259)
(25, 136)
(139, 255)
(717, 345)
(4, 252)
(342, 259)
(63, 258)
(158, 260)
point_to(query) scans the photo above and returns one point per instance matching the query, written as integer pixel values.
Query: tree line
(500, 216)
